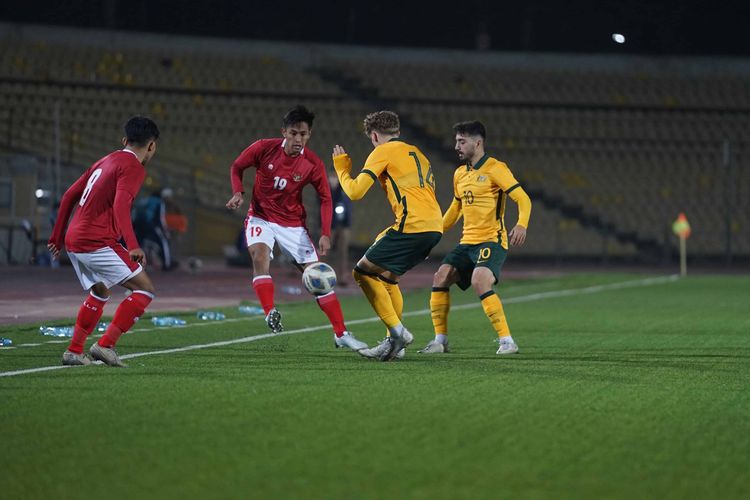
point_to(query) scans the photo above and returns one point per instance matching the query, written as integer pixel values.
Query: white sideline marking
(511, 300)
(162, 328)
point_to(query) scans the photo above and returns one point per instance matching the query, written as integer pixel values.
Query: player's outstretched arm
(451, 216)
(68, 201)
(138, 255)
(320, 183)
(324, 245)
(354, 188)
(248, 158)
(235, 201)
(517, 235)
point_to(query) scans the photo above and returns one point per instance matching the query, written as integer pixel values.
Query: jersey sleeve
(68, 201)
(250, 157)
(320, 183)
(452, 215)
(128, 184)
(355, 188)
(508, 183)
(376, 163)
(456, 194)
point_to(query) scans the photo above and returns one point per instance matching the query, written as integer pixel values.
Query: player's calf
(129, 311)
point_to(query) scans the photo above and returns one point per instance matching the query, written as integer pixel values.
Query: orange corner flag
(681, 226)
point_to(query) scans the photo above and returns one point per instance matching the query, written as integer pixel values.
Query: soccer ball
(319, 278)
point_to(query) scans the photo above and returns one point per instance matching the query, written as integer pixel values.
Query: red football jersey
(279, 179)
(103, 196)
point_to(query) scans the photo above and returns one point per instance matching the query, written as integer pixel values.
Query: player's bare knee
(141, 282)
(439, 279)
(481, 285)
(444, 276)
(100, 290)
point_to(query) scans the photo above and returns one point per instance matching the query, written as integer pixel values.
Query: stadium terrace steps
(612, 155)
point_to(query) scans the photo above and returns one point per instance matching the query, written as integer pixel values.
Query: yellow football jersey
(406, 176)
(480, 194)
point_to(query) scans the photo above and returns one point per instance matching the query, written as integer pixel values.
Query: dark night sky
(686, 27)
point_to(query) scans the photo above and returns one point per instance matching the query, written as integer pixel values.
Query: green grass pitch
(634, 392)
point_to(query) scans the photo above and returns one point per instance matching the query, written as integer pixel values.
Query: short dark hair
(298, 114)
(474, 127)
(384, 122)
(140, 130)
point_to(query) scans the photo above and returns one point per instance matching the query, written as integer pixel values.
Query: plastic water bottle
(56, 331)
(210, 315)
(251, 310)
(167, 321)
(291, 290)
(5, 342)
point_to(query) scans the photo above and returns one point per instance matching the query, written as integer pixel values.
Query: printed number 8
(90, 184)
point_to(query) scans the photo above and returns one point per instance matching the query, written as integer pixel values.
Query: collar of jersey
(301, 151)
(396, 139)
(129, 151)
(479, 164)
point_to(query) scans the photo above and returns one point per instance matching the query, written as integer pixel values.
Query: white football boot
(73, 359)
(377, 351)
(273, 320)
(106, 355)
(435, 347)
(350, 341)
(506, 348)
(381, 350)
(398, 343)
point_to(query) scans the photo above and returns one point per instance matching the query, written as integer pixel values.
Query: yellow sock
(493, 308)
(397, 300)
(440, 304)
(378, 297)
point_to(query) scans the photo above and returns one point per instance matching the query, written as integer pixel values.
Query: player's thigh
(141, 281)
(463, 266)
(109, 266)
(296, 242)
(490, 257)
(398, 252)
(445, 276)
(259, 231)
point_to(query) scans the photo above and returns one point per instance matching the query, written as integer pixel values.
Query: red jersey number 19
(90, 184)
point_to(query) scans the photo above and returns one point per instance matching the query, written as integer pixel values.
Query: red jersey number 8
(90, 184)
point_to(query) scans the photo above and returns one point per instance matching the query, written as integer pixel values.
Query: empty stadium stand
(612, 152)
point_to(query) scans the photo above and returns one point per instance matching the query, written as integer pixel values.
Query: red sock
(88, 317)
(330, 305)
(263, 286)
(125, 317)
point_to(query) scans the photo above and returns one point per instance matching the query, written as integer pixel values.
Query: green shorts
(399, 252)
(465, 258)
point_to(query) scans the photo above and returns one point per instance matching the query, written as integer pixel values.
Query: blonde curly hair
(383, 122)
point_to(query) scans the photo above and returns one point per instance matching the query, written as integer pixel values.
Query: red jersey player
(104, 195)
(283, 167)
